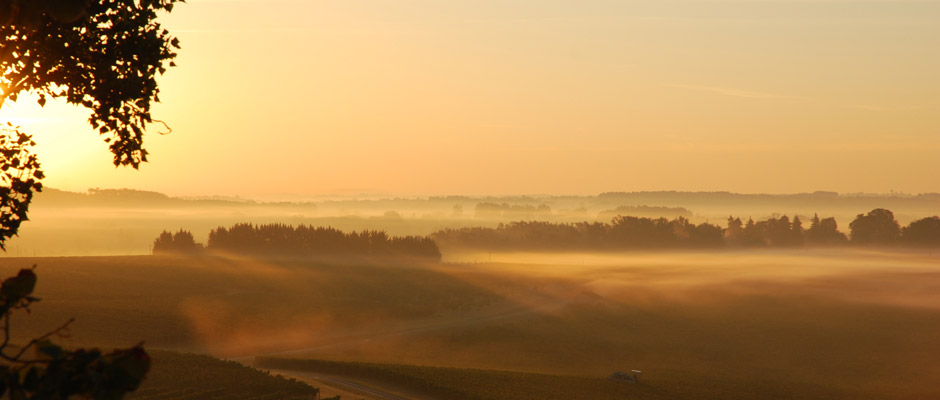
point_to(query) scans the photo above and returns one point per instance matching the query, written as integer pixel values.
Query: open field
(472, 384)
(772, 324)
(200, 377)
(470, 200)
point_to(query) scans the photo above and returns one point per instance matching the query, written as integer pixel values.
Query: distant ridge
(133, 198)
(924, 202)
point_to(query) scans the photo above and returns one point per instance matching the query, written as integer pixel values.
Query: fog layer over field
(739, 321)
(864, 275)
(123, 222)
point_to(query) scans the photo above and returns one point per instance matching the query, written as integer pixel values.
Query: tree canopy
(878, 227)
(104, 55)
(924, 232)
(182, 242)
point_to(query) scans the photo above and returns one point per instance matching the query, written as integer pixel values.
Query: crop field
(472, 384)
(806, 324)
(200, 377)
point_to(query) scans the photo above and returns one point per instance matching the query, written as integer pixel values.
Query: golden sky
(417, 97)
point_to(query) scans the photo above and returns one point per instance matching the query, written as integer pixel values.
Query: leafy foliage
(878, 227)
(824, 232)
(30, 13)
(57, 373)
(620, 234)
(181, 242)
(922, 233)
(106, 61)
(103, 55)
(19, 178)
(307, 241)
(773, 232)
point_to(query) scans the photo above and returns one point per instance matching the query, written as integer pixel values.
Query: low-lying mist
(125, 222)
(814, 317)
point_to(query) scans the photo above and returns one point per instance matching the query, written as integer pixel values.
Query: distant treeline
(877, 228)
(130, 198)
(542, 211)
(283, 240)
(646, 211)
(506, 210)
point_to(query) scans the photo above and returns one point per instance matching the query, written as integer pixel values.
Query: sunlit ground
(732, 319)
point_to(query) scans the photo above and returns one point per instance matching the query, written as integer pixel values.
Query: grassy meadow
(802, 324)
(200, 377)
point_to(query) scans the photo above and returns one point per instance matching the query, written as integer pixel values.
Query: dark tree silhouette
(31, 13)
(184, 242)
(734, 234)
(705, 236)
(181, 242)
(774, 232)
(777, 232)
(824, 232)
(797, 234)
(878, 227)
(628, 232)
(106, 61)
(922, 233)
(623, 233)
(280, 240)
(104, 56)
(19, 176)
(163, 243)
(752, 235)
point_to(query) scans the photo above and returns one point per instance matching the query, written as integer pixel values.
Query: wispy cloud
(869, 107)
(747, 94)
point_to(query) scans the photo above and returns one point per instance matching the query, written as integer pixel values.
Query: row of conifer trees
(876, 228)
(283, 240)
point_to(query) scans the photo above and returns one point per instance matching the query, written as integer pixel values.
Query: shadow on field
(714, 325)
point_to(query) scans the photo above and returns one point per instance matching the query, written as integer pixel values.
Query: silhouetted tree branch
(103, 55)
